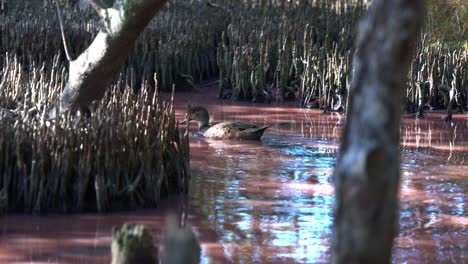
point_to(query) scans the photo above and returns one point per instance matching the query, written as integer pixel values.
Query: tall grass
(303, 50)
(128, 153)
(262, 50)
(300, 51)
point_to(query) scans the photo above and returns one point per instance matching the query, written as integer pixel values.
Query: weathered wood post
(132, 244)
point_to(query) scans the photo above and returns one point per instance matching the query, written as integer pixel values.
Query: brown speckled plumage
(225, 130)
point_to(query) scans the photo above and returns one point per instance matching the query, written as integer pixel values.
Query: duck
(224, 130)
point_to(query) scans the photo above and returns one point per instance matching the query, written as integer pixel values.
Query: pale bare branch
(62, 31)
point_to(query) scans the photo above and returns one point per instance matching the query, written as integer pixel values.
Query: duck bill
(183, 122)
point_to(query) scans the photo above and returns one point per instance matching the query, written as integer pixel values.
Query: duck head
(200, 114)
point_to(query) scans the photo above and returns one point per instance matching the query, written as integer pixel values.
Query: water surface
(270, 201)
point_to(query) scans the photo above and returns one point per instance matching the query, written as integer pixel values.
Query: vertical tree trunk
(449, 95)
(368, 169)
(423, 88)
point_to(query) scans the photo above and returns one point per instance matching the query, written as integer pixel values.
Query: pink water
(271, 201)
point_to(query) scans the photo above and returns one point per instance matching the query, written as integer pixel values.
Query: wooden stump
(133, 244)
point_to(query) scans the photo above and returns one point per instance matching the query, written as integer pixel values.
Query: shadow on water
(271, 201)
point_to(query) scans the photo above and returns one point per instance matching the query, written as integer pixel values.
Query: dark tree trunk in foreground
(91, 72)
(368, 170)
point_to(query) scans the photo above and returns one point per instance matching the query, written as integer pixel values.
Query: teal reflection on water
(260, 204)
(271, 201)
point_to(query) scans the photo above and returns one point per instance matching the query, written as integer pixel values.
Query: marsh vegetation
(128, 152)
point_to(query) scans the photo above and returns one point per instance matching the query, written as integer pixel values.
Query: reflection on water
(271, 201)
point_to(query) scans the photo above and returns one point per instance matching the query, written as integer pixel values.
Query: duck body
(224, 130)
(235, 130)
